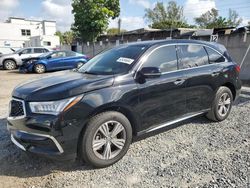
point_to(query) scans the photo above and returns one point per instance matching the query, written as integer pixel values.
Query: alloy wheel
(109, 140)
(10, 65)
(40, 68)
(224, 104)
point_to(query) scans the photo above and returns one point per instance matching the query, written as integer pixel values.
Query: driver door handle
(216, 73)
(179, 82)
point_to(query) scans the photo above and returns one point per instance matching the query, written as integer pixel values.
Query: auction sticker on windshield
(125, 60)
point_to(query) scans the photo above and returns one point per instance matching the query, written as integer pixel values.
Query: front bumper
(26, 68)
(36, 143)
(1, 62)
(45, 135)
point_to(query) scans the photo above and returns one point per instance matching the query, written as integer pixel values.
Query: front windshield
(18, 51)
(114, 61)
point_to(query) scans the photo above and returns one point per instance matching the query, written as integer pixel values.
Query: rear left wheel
(106, 139)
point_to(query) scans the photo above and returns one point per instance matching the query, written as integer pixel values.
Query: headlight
(53, 107)
(30, 61)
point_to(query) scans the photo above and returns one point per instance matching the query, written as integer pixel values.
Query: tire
(9, 64)
(97, 154)
(221, 105)
(79, 64)
(39, 68)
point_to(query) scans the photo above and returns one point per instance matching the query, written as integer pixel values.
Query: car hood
(61, 85)
(30, 61)
(7, 55)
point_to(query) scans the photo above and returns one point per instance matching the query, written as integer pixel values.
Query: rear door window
(214, 57)
(164, 58)
(39, 50)
(192, 55)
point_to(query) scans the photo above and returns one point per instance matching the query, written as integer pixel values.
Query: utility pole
(119, 25)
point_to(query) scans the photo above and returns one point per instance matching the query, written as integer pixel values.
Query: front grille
(16, 108)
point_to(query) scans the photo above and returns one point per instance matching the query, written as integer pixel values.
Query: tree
(60, 35)
(161, 17)
(115, 31)
(220, 22)
(211, 19)
(92, 17)
(233, 19)
(68, 37)
(208, 19)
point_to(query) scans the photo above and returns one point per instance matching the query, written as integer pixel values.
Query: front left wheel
(9, 64)
(106, 139)
(39, 68)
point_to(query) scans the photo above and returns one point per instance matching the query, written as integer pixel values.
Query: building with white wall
(49, 41)
(19, 32)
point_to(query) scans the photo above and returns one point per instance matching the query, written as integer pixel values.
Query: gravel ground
(196, 154)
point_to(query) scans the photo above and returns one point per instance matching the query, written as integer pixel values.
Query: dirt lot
(196, 154)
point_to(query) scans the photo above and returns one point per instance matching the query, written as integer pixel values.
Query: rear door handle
(215, 73)
(179, 82)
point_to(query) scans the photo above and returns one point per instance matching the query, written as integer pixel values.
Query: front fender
(82, 61)
(45, 63)
(106, 99)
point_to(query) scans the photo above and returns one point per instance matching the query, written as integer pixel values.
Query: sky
(132, 11)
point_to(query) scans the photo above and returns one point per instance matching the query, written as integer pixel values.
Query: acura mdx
(95, 111)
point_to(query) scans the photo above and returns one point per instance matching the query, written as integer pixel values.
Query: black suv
(94, 112)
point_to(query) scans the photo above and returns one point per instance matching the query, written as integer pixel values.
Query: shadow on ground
(244, 96)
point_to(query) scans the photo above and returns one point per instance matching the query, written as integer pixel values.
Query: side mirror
(20, 53)
(151, 72)
(49, 57)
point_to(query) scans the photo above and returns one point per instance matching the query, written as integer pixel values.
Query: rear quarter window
(215, 57)
(45, 50)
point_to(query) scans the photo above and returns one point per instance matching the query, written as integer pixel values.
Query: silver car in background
(13, 60)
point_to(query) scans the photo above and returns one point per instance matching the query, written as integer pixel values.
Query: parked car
(13, 60)
(56, 60)
(120, 94)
